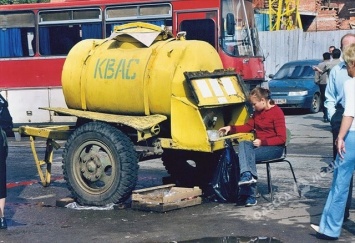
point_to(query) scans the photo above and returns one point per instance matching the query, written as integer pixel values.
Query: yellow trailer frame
(146, 127)
(52, 133)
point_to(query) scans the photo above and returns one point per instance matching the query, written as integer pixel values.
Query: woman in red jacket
(268, 124)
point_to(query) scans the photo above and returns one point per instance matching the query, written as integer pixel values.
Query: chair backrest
(288, 138)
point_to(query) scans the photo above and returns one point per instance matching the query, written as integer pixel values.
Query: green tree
(4, 2)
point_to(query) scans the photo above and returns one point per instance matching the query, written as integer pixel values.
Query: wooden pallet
(165, 198)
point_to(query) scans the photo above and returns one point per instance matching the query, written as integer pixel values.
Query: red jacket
(269, 125)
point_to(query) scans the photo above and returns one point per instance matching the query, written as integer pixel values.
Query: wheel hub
(91, 167)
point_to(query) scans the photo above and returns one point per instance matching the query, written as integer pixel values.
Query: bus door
(199, 26)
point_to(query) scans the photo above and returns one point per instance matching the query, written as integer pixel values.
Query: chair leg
(269, 182)
(294, 178)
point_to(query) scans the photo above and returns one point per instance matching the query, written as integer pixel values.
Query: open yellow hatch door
(217, 88)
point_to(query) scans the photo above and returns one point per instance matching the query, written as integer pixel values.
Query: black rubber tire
(315, 106)
(100, 164)
(189, 169)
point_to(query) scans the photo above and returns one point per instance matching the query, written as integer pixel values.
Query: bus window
(16, 34)
(60, 30)
(58, 40)
(199, 29)
(161, 23)
(243, 41)
(158, 14)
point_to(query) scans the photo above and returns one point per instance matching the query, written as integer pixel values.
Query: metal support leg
(294, 178)
(44, 173)
(269, 182)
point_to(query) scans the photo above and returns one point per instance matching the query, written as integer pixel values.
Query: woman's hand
(224, 130)
(340, 143)
(257, 142)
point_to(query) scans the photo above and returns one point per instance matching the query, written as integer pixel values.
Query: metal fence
(282, 46)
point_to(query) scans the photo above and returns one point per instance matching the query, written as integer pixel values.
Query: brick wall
(339, 14)
(309, 5)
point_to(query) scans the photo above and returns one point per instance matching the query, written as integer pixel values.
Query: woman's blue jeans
(248, 155)
(333, 212)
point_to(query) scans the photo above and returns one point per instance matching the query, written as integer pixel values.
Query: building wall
(296, 45)
(323, 15)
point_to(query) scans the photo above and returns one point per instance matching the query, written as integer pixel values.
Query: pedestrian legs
(333, 213)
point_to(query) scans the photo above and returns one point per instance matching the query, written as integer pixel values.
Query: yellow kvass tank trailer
(142, 86)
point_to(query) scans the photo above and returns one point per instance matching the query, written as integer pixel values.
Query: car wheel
(315, 105)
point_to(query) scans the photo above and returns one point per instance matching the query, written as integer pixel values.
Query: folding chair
(279, 160)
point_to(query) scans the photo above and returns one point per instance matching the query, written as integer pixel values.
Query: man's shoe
(3, 224)
(320, 235)
(251, 201)
(325, 237)
(346, 215)
(315, 227)
(246, 179)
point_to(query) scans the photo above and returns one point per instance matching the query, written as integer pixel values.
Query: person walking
(322, 75)
(3, 194)
(320, 78)
(5, 124)
(331, 49)
(268, 124)
(334, 102)
(333, 212)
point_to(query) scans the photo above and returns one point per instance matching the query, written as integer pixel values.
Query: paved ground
(33, 216)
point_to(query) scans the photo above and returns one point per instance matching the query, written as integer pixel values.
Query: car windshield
(295, 72)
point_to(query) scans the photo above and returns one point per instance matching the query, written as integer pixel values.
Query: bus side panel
(56, 99)
(31, 72)
(250, 68)
(24, 105)
(30, 83)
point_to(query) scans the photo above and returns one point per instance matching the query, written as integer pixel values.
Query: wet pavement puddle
(232, 239)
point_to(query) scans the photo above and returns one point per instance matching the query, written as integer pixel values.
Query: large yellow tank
(122, 75)
(142, 71)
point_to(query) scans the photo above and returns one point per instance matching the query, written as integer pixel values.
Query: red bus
(35, 39)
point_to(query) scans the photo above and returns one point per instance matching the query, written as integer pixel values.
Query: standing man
(321, 78)
(333, 213)
(334, 103)
(322, 75)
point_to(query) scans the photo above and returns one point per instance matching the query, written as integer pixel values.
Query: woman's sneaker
(251, 201)
(241, 200)
(3, 224)
(246, 179)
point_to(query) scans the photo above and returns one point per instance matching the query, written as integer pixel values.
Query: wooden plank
(166, 207)
(139, 123)
(165, 198)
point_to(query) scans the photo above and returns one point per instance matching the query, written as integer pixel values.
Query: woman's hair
(349, 54)
(260, 93)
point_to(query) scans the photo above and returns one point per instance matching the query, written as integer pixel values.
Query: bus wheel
(100, 164)
(190, 169)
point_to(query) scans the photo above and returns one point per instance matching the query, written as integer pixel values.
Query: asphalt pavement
(34, 217)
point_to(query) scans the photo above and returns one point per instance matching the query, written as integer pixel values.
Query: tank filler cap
(181, 35)
(143, 32)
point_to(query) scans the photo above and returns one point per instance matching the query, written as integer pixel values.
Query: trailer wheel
(100, 164)
(190, 169)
